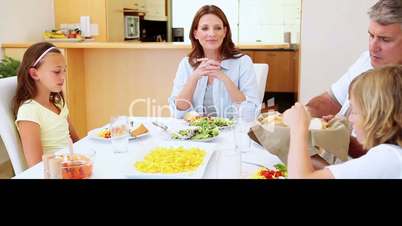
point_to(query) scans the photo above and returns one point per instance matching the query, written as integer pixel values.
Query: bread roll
(317, 123)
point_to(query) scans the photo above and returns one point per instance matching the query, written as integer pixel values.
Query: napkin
(330, 142)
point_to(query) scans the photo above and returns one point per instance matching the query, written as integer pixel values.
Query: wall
(23, 20)
(250, 20)
(333, 35)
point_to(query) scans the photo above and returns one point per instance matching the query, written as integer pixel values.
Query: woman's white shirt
(240, 71)
(381, 162)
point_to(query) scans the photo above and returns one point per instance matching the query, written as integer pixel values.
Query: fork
(166, 129)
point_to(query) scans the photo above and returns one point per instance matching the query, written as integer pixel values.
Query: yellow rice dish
(171, 160)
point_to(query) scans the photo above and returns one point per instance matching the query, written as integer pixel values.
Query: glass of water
(245, 118)
(119, 130)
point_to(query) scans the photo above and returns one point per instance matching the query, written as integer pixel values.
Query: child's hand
(297, 117)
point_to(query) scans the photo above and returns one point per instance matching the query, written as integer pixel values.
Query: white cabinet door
(267, 20)
(251, 21)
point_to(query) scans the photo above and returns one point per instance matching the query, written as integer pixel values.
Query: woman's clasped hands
(208, 67)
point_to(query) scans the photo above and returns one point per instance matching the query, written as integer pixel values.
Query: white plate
(94, 135)
(133, 173)
(226, 127)
(205, 140)
(202, 140)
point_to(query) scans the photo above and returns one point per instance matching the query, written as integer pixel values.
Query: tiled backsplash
(267, 20)
(258, 20)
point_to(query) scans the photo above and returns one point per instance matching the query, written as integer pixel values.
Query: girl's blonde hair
(378, 93)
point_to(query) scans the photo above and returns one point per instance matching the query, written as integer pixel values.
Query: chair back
(261, 71)
(8, 130)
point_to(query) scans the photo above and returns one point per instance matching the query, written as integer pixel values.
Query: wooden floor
(6, 170)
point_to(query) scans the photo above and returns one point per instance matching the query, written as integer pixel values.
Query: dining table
(110, 165)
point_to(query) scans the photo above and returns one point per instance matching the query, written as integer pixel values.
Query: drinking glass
(245, 117)
(51, 166)
(119, 130)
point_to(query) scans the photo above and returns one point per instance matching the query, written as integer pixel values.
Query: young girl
(39, 106)
(376, 104)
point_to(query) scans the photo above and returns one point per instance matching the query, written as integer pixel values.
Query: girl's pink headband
(43, 55)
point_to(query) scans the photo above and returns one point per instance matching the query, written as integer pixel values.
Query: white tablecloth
(110, 165)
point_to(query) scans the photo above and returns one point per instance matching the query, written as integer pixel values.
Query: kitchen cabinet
(69, 12)
(283, 69)
(249, 53)
(138, 5)
(156, 10)
(283, 76)
(107, 14)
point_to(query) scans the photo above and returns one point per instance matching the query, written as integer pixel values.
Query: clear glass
(245, 116)
(241, 138)
(119, 130)
(52, 166)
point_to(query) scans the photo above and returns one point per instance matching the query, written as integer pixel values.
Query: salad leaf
(212, 122)
(205, 133)
(221, 122)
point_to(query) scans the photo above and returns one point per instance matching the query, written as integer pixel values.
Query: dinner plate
(205, 140)
(195, 140)
(94, 135)
(133, 173)
(226, 127)
(198, 140)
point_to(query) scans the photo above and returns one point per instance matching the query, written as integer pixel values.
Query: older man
(385, 47)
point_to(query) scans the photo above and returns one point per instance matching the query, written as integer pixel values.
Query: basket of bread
(328, 139)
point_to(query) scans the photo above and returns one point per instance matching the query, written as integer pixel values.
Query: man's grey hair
(386, 12)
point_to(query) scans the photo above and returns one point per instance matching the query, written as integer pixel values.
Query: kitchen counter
(145, 45)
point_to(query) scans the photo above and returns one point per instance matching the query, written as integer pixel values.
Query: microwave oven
(131, 27)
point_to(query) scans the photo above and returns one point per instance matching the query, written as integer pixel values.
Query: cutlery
(160, 125)
(166, 129)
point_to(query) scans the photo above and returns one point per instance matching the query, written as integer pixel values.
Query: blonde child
(376, 104)
(39, 106)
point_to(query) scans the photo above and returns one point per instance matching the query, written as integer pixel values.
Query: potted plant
(8, 67)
